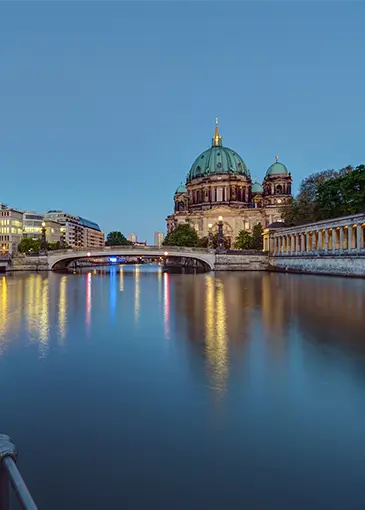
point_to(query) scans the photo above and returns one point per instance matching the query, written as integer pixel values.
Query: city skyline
(101, 122)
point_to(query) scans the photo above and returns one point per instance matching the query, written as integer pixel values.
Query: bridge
(60, 259)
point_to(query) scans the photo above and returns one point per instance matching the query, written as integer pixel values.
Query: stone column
(359, 238)
(349, 237)
(333, 238)
(341, 239)
(319, 247)
(302, 242)
(314, 240)
(295, 243)
(326, 239)
(307, 242)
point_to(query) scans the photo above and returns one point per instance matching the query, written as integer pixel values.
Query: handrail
(10, 473)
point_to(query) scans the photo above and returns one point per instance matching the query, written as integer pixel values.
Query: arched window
(279, 189)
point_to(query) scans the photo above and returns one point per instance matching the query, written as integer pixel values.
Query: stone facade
(325, 264)
(220, 184)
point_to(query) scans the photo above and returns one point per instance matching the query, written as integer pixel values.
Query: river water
(136, 389)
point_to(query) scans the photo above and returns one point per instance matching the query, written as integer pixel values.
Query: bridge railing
(135, 249)
(9, 474)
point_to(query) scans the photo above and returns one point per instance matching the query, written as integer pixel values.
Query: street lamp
(220, 244)
(43, 238)
(210, 236)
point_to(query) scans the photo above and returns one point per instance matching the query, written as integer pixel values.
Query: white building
(33, 224)
(11, 229)
(158, 238)
(77, 232)
(132, 237)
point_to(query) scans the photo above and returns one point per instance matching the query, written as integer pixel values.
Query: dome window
(202, 156)
(218, 153)
(219, 165)
(198, 169)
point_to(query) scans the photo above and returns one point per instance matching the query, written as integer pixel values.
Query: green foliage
(54, 246)
(247, 241)
(203, 242)
(28, 244)
(257, 240)
(327, 195)
(182, 235)
(244, 240)
(116, 239)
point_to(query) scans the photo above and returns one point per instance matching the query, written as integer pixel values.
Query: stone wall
(22, 263)
(340, 265)
(231, 262)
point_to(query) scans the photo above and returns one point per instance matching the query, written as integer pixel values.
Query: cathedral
(219, 185)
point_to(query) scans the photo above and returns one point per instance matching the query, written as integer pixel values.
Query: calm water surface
(135, 389)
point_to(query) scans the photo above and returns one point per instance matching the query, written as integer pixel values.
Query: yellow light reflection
(3, 313)
(137, 303)
(62, 309)
(216, 334)
(43, 318)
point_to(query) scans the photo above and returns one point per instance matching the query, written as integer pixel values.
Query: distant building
(32, 227)
(93, 237)
(158, 239)
(11, 228)
(140, 243)
(77, 232)
(132, 238)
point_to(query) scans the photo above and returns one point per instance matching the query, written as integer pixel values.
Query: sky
(105, 105)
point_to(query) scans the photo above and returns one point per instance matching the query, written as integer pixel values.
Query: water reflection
(62, 309)
(137, 297)
(88, 300)
(166, 304)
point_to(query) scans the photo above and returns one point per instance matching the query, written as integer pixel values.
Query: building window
(219, 195)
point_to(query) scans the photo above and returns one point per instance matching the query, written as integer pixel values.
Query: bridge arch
(61, 259)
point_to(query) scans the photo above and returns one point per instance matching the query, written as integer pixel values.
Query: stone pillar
(326, 239)
(319, 246)
(349, 237)
(314, 240)
(302, 239)
(307, 242)
(333, 238)
(295, 243)
(341, 239)
(359, 237)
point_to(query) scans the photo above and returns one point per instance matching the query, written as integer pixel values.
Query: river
(136, 389)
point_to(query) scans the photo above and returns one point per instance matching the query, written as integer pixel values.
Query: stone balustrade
(337, 236)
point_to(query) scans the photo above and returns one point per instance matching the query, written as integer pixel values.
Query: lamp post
(43, 238)
(210, 236)
(220, 244)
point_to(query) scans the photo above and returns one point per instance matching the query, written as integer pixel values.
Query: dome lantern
(217, 139)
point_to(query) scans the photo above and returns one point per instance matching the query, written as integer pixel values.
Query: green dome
(277, 168)
(257, 188)
(181, 189)
(218, 160)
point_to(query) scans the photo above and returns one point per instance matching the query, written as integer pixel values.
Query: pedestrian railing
(9, 474)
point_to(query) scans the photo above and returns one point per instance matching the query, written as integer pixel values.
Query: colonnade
(342, 235)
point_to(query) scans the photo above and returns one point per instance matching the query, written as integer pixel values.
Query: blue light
(113, 259)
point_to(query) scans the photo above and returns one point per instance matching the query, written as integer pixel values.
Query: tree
(257, 241)
(244, 240)
(328, 194)
(54, 245)
(27, 244)
(116, 239)
(182, 235)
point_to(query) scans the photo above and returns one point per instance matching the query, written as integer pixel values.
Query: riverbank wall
(241, 262)
(339, 265)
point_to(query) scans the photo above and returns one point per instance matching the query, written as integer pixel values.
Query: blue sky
(105, 105)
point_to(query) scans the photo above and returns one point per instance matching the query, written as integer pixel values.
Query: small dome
(180, 189)
(277, 224)
(277, 168)
(257, 188)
